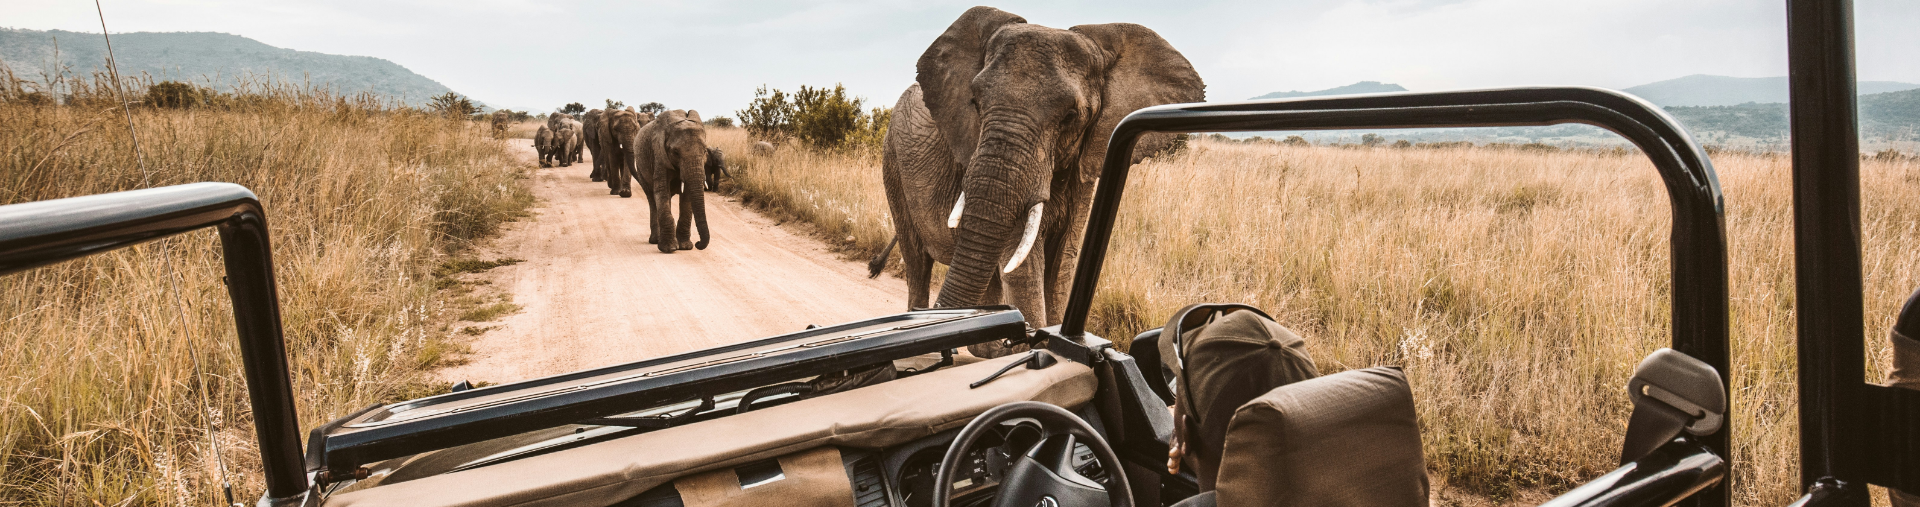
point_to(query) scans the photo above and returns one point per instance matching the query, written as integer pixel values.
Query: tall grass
(99, 403)
(1518, 288)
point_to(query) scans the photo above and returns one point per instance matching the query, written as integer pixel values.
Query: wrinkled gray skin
(762, 148)
(716, 167)
(1016, 115)
(672, 157)
(543, 145)
(590, 137)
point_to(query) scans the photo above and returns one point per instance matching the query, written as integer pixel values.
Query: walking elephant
(617, 131)
(991, 159)
(579, 134)
(716, 167)
(590, 136)
(543, 144)
(672, 159)
(565, 141)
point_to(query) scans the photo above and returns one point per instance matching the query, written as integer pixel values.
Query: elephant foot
(667, 248)
(612, 191)
(687, 245)
(653, 240)
(597, 178)
(626, 193)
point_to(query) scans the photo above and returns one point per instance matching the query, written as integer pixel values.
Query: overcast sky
(711, 54)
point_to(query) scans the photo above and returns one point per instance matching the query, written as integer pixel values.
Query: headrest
(1348, 438)
(1228, 355)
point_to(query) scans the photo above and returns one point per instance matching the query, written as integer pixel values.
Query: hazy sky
(711, 54)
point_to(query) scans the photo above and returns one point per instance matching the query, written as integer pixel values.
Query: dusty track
(595, 293)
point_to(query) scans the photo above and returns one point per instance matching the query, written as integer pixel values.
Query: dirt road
(595, 293)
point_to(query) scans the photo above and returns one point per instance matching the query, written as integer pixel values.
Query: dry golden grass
(1518, 288)
(99, 405)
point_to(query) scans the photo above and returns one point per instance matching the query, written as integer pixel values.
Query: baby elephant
(543, 145)
(670, 158)
(716, 167)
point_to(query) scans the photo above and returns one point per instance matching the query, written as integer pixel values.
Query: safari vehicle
(883, 412)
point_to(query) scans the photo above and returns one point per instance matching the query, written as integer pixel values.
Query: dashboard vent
(863, 468)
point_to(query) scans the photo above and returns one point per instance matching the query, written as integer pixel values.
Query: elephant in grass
(716, 167)
(672, 159)
(763, 148)
(590, 136)
(991, 158)
(543, 144)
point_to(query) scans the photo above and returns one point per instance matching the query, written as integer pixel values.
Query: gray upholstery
(1346, 439)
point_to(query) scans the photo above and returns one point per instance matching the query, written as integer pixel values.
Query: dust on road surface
(594, 293)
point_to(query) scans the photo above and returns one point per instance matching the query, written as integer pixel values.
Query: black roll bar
(46, 232)
(1851, 433)
(1698, 241)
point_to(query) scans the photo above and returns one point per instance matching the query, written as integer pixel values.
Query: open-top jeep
(884, 413)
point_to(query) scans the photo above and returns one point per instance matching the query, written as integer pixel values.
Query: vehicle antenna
(166, 254)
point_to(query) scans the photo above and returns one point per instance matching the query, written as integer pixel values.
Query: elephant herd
(992, 155)
(667, 154)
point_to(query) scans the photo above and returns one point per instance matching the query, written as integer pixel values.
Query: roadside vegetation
(1518, 285)
(372, 209)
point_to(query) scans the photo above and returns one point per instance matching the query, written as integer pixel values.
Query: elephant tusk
(1026, 239)
(953, 219)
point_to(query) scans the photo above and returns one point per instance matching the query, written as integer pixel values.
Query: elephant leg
(663, 219)
(919, 271)
(653, 220)
(991, 350)
(1025, 288)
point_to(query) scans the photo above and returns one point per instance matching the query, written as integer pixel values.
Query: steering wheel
(1043, 475)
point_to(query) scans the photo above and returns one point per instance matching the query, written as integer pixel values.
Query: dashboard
(909, 469)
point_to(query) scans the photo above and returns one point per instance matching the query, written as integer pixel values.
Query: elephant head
(1027, 110)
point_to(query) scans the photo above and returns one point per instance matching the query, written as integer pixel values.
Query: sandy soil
(594, 293)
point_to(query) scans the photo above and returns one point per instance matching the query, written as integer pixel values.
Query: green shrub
(720, 122)
(821, 118)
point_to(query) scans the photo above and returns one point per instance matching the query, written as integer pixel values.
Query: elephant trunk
(698, 202)
(989, 223)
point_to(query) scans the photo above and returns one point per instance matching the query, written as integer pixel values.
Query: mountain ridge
(212, 59)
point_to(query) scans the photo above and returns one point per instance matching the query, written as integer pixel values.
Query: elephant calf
(716, 167)
(670, 158)
(566, 142)
(543, 145)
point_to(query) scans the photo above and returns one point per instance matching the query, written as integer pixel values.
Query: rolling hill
(1360, 87)
(210, 58)
(1704, 90)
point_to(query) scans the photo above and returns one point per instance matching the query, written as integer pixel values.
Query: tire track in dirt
(594, 293)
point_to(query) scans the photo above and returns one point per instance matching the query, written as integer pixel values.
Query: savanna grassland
(1518, 288)
(367, 203)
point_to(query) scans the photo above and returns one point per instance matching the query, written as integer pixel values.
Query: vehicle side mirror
(1672, 393)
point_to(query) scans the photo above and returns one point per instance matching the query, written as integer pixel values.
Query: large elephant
(672, 159)
(617, 131)
(992, 155)
(590, 136)
(716, 167)
(543, 144)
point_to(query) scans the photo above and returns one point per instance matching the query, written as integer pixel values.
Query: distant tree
(769, 116)
(574, 108)
(720, 122)
(825, 118)
(651, 108)
(1371, 139)
(1297, 141)
(615, 105)
(453, 105)
(1403, 143)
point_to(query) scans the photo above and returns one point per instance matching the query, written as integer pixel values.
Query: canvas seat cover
(1346, 439)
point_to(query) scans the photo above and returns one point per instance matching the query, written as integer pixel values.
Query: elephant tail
(879, 262)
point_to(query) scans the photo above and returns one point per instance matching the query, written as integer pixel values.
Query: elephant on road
(992, 156)
(672, 159)
(543, 144)
(590, 136)
(577, 144)
(566, 142)
(617, 132)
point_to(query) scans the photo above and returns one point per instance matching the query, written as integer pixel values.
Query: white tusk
(953, 219)
(1026, 239)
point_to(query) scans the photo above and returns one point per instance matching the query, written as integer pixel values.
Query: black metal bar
(1826, 224)
(1671, 474)
(1698, 240)
(40, 233)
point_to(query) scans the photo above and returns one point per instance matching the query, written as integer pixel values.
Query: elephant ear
(947, 69)
(1143, 70)
(693, 115)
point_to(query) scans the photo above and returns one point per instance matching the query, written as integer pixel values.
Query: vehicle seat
(1349, 438)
